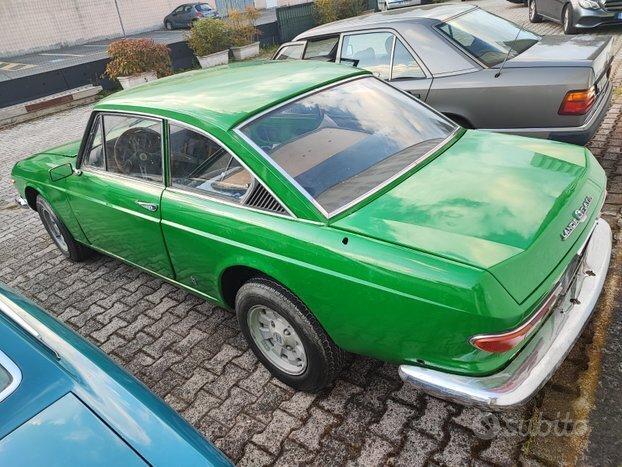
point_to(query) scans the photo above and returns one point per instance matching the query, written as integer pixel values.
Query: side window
(323, 49)
(178, 9)
(94, 152)
(201, 164)
(290, 52)
(187, 8)
(404, 64)
(371, 51)
(134, 146)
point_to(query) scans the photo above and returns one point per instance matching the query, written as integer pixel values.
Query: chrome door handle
(148, 206)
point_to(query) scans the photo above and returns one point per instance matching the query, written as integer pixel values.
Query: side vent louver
(262, 199)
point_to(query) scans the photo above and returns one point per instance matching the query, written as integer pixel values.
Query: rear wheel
(568, 21)
(286, 337)
(534, 17)
(63, 239)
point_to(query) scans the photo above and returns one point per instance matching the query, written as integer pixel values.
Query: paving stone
(293, 454)
(375, 452)
(234, 442)
(435, 416)
(314, 429)
(277, 430)
(392, 423)
(227, 412)
(202, 404)
(255, 457)
(339, 396)
(416, 450)
(267, 403)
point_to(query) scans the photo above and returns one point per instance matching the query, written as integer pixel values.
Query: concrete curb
(47, 105)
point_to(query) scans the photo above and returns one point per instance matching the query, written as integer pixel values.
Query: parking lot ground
(193, 355)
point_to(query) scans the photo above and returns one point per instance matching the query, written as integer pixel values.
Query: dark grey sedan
(480, 70)
(184, 15)
(577, 15)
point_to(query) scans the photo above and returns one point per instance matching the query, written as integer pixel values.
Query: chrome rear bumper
(537, 361)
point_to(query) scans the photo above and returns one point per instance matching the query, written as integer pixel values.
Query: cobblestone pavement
(193, 355)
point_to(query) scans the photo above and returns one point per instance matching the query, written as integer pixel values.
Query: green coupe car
(336, 214)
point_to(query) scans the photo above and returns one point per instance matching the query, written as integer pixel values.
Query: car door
(116, 193)
(385, 54)
(187, 15)
(175, 16)
(201, 218)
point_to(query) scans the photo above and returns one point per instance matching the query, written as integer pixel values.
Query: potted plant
(137, 61)
(210, 39)
(244, 34)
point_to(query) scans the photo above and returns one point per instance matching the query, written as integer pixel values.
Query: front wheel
(534, 17)
(63, 239)
(286, 337)
(567, 20)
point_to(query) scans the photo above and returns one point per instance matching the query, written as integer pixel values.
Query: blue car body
(64, 402)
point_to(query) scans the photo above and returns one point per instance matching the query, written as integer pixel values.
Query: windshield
(488, 37)
(343, 142)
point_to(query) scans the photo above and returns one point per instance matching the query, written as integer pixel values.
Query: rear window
(341, 143)
(203, 7)
(488, 37)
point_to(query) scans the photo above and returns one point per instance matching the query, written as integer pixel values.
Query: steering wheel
(137, 150)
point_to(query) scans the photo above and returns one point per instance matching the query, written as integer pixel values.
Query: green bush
(209, 36)
(134, 56)
(242, 25)
(327, 11)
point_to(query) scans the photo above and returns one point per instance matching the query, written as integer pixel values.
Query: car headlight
(589, 4)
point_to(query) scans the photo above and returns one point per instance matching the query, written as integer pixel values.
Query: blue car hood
(66, 433)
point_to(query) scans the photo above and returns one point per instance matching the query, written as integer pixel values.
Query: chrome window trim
(397, 37)
(14, 372)
(5, 361)
(96, 170)
(326, 214)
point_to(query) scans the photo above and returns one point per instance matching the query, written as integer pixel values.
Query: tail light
(578, 102)
(498, 343)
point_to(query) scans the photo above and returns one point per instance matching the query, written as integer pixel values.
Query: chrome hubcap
(277, 340)
(55, 232)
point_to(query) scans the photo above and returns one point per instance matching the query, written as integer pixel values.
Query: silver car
(577, 15)
(390, 4)
(480, 70)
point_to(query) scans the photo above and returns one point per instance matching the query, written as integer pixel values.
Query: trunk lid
(494, 201)
(566, 51)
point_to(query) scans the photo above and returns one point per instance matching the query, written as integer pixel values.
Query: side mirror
(61, 171)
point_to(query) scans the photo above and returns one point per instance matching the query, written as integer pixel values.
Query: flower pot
(219, 58)
(246, 51)
(135, 80)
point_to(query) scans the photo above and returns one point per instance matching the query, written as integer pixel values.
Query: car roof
(420, 14)
(224, 96)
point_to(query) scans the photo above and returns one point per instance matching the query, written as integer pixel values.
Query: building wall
(31, 26)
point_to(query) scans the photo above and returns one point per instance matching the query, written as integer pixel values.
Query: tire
(315, 360)
(568, 21)
(168, 25)
(59, 234)
(534, 17)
